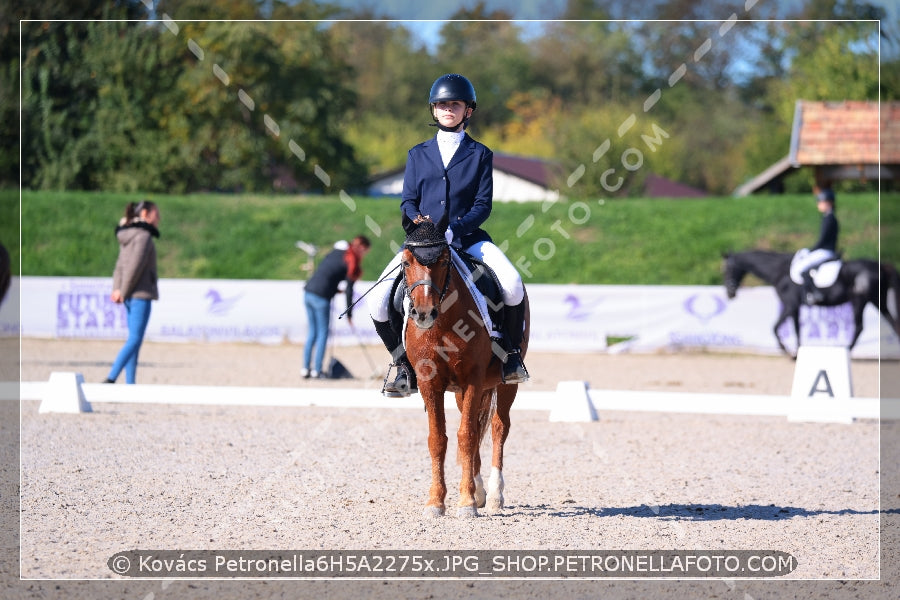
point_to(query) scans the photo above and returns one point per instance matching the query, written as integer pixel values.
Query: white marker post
(822, 385)
(572, 403)
(63, 393)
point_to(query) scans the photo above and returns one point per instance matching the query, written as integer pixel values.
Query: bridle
(442, 291)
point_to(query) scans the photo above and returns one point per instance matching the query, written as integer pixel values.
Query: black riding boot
(812, 294)
(514, 370)
(404, 383)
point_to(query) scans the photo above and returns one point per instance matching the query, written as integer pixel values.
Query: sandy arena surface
(180, 477)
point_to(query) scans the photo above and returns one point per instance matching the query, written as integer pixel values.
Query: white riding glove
(449, 235)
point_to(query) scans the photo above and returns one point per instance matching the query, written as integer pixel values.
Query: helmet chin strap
(445, 128)
(464, 122)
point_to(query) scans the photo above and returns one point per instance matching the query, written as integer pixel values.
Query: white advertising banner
(575, 318)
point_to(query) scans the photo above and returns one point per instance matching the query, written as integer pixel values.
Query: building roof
(835, 133)
(890, 133)
(536, 170)
(861, 134)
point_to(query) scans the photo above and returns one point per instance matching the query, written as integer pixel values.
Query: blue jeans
(318, 312)
(138, 310)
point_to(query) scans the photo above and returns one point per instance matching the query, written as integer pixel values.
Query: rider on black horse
(825, 249)
(452, 174)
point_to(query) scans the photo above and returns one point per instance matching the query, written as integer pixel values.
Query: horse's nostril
(434, 313)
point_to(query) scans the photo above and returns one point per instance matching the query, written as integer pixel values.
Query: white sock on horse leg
(495, 490)
(479, 491)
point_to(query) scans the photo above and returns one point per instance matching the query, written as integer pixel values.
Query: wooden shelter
(851, 139)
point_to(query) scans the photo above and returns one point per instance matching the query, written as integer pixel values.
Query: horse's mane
(761, 252)
(768, 265)
(769, 256)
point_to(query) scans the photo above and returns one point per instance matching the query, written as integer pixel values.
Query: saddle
(482, 276)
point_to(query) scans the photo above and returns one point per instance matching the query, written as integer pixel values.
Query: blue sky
(426, 18)
(418, 10)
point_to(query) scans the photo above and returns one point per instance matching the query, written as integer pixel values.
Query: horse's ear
(443, 222)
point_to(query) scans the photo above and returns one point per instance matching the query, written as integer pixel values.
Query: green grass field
(628, 241)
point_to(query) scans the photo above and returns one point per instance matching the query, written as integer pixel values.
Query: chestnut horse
(451, 350)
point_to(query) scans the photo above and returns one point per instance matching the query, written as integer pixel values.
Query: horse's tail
(891, 281)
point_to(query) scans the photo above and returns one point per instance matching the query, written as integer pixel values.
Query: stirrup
(396, 389)
(513, 369)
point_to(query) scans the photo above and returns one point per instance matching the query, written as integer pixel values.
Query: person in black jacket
(343, 263)
(825, 248)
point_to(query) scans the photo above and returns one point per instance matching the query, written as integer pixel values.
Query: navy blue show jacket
(464, 189)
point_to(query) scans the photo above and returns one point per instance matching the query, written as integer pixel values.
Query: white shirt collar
(448, 142)
(450, 137)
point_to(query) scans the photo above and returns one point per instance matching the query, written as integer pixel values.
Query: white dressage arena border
(571, 401)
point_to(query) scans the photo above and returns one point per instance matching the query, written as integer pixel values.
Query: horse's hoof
(494, 503)
(466, 512)
(433, 512)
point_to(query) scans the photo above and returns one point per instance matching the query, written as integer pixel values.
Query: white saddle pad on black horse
(823, 275)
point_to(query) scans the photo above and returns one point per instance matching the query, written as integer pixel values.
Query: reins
(366, 293)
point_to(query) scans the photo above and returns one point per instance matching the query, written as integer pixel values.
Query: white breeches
(812, 259)
(513, 290)
(507, 275)
(379, 298)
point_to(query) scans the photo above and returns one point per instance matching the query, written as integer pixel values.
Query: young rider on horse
(825, 249)
(452, 173)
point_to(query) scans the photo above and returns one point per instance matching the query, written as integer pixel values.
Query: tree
(392, 77)
(169, 107)
(52, 35)
(491, 54)
(587, 63)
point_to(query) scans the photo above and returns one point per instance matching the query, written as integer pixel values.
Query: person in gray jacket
(135, 280)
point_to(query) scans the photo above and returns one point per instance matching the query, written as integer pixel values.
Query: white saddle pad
(823, 276)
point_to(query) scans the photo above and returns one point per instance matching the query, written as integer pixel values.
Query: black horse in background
(857, 283)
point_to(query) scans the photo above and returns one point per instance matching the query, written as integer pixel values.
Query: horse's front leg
(437, 446)
(468, 438)
(785, 313)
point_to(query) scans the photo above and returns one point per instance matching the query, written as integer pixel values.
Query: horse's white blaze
(495, 490)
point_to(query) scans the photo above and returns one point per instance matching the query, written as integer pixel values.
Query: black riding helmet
(826, 195)
(451, 87)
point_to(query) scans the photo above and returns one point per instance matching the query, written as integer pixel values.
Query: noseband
(427, 254)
